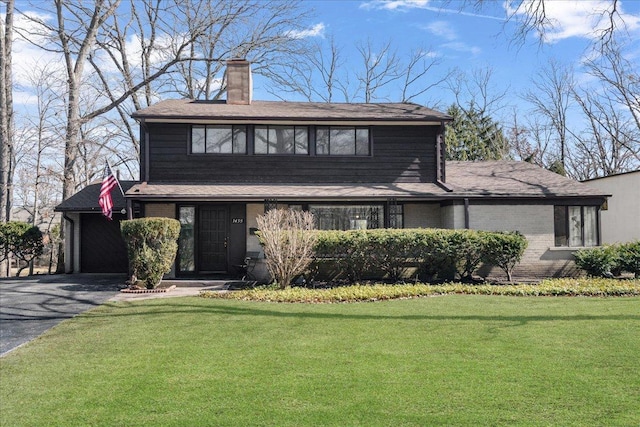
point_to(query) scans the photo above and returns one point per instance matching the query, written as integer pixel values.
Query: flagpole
(116, 178)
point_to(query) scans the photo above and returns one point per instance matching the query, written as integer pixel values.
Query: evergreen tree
(474, 136)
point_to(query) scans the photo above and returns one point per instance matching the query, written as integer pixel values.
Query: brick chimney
(239, 82)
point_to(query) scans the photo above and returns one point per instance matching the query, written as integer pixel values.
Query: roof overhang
(288, 121)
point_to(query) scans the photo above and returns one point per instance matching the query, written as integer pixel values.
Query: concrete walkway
(179, 288)
(29, 306)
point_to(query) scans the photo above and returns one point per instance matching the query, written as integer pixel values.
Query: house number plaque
(237, 221)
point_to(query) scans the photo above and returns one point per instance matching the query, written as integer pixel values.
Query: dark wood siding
(399, 154)
(102, 248)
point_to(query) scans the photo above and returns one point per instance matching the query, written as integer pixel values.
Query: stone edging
(147, 291)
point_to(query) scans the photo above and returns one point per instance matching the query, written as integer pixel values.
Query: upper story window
(218, 139)
(342, 141)
(575, 226)
(281, 140)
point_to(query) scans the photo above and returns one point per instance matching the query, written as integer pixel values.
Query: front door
(213, 238)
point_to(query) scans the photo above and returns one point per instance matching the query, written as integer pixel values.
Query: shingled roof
(86, 200)
(487, 180)
(282, 192)
(185, 109)
(513, 179)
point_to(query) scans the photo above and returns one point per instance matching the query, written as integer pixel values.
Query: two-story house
(217, 165)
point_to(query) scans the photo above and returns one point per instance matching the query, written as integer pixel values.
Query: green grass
(463, 360)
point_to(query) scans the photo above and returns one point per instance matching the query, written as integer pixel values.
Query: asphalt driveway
(31, 305)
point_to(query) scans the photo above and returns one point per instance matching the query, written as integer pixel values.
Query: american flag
(108, 182)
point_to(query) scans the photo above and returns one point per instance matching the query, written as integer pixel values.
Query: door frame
(200, 246)
(235, 234)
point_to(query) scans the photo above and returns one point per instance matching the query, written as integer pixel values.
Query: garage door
(102, 248)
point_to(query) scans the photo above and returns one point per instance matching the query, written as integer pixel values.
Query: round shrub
(597, 262)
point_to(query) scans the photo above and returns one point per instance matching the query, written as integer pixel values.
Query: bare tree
(533, 16)
(476, 89)
(550, 98)
(620, 79)
(315, 77)
(534, 142)
(380, 67)
(601, 149)
(37, 146)
(288, 243)
(92, 35)
(6, 119)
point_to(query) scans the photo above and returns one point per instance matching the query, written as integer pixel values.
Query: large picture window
(218, 139)
(575, 226)
(281, 140)
(342, 141)
(354, 217)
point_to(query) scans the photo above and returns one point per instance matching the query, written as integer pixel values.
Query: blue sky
(466, 39)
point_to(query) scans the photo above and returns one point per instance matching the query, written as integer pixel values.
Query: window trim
(567, 227)
(355, 129)
(233, 128)
(381, 206)
(295, 146)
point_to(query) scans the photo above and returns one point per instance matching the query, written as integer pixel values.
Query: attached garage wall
(102, 248)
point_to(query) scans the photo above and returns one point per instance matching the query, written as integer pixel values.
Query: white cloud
(585, 19)
(394, 4)
(406, 5)
(315, 31)
(442, 29)
(462, 47)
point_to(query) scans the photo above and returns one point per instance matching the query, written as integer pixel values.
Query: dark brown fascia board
(407, 198)
(436, 121)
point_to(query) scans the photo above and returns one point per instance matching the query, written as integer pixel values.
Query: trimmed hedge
(610, 260)
(433, 253)
(151, 247)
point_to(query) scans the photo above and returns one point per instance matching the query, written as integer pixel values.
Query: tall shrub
(348, 252)
(629, 257)
(392, 250)
(288, 243)
(505, 250)
(434, 256)
(151, 247)
(22, 240)
(597, 262)
(467, 249)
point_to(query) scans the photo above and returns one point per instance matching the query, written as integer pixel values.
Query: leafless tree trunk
(6, 119)
(6, 112)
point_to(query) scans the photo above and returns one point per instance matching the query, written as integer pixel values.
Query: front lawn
(463, 360)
